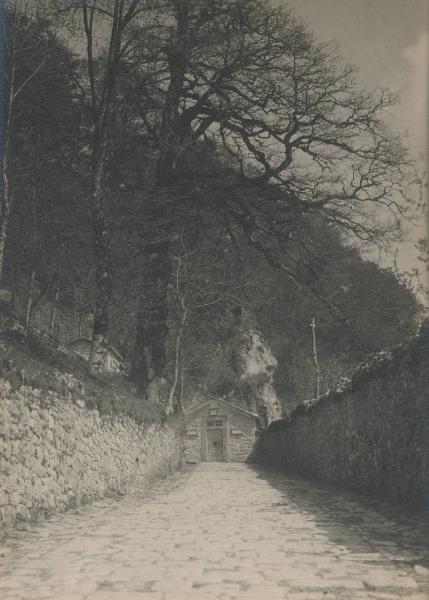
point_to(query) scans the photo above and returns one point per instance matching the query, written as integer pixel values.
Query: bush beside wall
(56, 454)
(372, 436)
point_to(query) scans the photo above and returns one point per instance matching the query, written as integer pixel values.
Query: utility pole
(316, 362)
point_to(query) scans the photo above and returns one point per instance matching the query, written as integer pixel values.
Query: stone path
(220, 531)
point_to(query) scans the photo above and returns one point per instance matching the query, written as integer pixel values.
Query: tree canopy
(172, 160)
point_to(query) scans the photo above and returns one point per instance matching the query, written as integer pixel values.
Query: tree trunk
(170, 403)
(54, 311)
(100, 327)
(29, 301)
(315, 359)
(152, 328)
(103, 278)
(182, 386)
(3, 233)
(6, 199)
(101, 115)
(151, 332)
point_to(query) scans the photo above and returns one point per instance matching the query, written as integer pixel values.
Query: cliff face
(254, 365)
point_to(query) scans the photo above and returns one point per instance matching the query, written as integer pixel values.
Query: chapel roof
(222, 402)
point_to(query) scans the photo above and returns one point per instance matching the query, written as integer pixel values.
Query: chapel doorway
(215, 445)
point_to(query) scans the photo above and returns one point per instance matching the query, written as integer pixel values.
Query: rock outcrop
(254, 365)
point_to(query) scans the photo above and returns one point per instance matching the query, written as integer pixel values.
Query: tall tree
(285, 111)
(113, 19)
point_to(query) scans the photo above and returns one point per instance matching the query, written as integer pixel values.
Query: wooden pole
(54, 311)
(316, 362)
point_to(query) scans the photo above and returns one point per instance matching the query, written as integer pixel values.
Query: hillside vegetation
(167, 166)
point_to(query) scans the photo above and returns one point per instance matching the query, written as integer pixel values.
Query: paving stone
(218, 532)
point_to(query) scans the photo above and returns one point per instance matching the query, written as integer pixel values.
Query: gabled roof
(222, 402)
(111, 349)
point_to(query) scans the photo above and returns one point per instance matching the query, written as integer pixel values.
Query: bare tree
(181, 300)
(203, 288)
(111, 20)
(280, 107)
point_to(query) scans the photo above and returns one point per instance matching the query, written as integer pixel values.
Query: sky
(388, 42)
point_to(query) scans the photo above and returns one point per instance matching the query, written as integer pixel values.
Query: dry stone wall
(372, 436)
(56, 454)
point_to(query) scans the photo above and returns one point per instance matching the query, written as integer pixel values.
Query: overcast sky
(388, 40)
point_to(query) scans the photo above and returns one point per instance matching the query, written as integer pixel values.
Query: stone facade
(240, 447)
(371, 436)
(56, 454)
(192, 440)
(222, 423)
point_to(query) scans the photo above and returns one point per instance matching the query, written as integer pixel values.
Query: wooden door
(214, 445)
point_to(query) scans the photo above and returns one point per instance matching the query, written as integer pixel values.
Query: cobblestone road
(219, 531)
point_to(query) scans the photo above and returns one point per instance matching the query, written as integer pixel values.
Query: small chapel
(218, 431)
